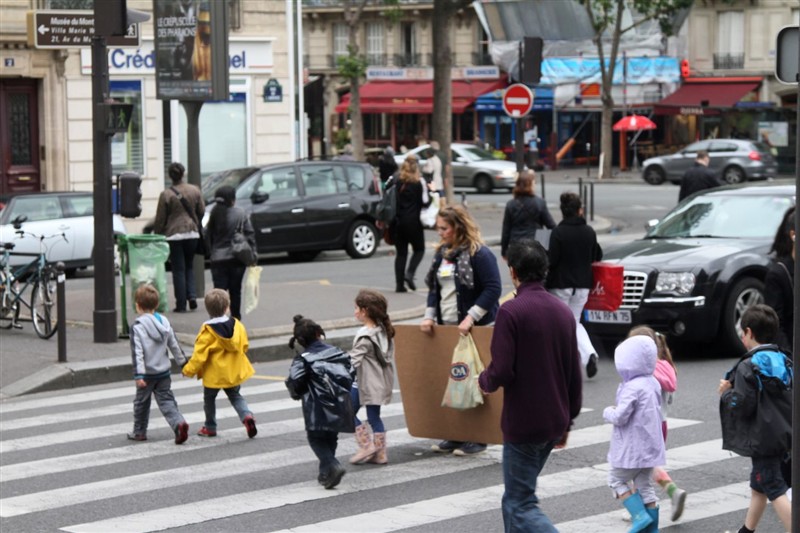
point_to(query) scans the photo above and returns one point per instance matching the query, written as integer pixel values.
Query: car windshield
(724, 216)
(473, 153)
(228, 177)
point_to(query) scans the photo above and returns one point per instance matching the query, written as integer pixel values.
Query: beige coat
(375, 381)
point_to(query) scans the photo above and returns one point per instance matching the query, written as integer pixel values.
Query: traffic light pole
(105, 309)
(192, 109)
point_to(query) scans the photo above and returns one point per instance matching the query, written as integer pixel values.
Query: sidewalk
(28, 364)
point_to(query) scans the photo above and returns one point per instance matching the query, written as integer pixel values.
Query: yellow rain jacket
(220, 354)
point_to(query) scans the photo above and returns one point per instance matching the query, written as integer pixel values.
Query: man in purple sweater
(535, 359)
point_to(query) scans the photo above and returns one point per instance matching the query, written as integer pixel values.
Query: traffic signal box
(130, 194)
(685, 71)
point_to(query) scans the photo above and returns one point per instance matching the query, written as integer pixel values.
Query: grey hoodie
(151, 335)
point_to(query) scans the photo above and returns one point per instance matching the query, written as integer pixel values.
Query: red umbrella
(634, 123)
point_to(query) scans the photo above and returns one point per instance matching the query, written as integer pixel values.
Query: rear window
(357, 176)
(78, 206)
(761, 147)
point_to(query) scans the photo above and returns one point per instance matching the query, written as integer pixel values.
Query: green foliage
(661, 10)
(341, 138)
(352, 65)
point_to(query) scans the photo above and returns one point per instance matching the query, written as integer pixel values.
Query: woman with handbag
(412, 196)
(232, 241)
(178, 214)
(525, 213)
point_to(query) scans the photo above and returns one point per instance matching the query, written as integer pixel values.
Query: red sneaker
(250, 424)
(205, 432)
(181, 433)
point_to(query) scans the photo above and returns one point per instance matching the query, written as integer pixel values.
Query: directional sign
(70, 29)
(518, 100)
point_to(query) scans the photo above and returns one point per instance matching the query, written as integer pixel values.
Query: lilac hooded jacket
(636, 439)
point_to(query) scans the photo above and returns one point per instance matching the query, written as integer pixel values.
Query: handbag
(607, 287)
(250, 288)
(241, 248)
(463, 391)
(428, 214)
(201, 249)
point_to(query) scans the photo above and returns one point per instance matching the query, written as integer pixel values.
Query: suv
(306, 207)
(53, 213)
(734, 160)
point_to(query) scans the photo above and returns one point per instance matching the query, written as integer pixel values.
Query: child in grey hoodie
(151, 335)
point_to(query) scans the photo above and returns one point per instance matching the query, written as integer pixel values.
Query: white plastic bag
(250, 288)
(428, 214)
(463, 391)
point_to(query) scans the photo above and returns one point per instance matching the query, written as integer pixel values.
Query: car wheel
(733, 175)
(746, 293)
(362, 239)
(303, 257)
(483, 183)
(654, 175)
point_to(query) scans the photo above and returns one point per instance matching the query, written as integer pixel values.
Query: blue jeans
(181, 258)
(373, 412)
(522, 464)
(210, 404)
(162, 390)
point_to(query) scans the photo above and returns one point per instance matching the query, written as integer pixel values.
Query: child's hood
(666, 376)
(378, 336)
(155, 325)
(227, 330)
(635, 357)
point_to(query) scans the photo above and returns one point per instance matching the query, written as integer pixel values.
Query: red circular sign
(518, 100)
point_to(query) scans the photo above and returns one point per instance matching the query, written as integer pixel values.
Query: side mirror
(460, 159)
(650, 224)
(17, 222)
(259, 197)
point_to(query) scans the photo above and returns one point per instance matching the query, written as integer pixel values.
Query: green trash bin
(147, 256)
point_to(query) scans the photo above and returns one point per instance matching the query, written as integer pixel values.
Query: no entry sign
(518, 100)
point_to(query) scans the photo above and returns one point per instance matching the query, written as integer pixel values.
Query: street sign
(518, 100)
(786, 64)
(118, 118)
(71, 29)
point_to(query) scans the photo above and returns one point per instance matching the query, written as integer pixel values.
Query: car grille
(633, 289)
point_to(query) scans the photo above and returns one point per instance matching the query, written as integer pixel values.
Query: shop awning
(415, 96)
(493, 100)
(701, 96)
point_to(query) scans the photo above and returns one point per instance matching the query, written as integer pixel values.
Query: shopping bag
(428, 214)
(462, 390)
(250, 288)
(607, 287)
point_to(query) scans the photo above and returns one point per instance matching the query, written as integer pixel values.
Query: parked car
(53, 213)
(305, 207)
(696, 271)
(473, 167)
(734, 160)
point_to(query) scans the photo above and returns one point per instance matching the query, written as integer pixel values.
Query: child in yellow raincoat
(220, 359)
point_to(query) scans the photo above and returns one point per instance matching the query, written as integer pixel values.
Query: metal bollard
(463, 198)
(544, 197)
(591, 201)
(580, 191)
(61, 310)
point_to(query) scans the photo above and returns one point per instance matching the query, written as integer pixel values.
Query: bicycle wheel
(43, 305)
(9, 309)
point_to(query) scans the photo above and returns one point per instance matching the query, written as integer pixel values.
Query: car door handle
(343, 206)
(297, 210)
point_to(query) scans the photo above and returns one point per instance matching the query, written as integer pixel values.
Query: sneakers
(334, 476)
(137, 436)
(446, 446)
(678, 500)
(205, 432)
(181, 433)
(250, 424)
(591, 366)
(469, 448)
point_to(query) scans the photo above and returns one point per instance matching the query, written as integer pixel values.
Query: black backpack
(387, 208)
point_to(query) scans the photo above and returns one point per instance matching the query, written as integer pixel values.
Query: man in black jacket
(698, 177)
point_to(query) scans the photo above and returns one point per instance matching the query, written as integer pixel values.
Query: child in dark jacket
(322, 377)
(756, 414)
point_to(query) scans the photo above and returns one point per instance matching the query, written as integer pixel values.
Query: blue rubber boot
(640, 518)
(653, 512)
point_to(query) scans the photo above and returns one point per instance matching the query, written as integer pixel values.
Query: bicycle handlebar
(43, 237)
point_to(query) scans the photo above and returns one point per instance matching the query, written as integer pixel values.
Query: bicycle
(14, 281)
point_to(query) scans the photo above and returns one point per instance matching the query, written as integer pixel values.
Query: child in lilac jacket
(637, 445)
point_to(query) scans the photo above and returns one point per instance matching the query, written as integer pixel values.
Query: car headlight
(508, 173)
(675, 282)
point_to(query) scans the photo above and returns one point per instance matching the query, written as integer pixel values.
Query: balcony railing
(408, 60)
(482, 58)
(728, 61)
(339, 3)
(376, 60)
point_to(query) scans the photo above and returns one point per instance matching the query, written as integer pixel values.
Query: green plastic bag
(148, 255)
(463, 391)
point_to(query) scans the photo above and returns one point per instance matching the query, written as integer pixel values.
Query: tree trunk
(442, 128)
(607, 136)
(356, 118)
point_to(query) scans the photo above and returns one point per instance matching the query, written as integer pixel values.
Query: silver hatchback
(734, 160)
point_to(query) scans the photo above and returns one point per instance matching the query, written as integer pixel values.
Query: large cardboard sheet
(423, 367)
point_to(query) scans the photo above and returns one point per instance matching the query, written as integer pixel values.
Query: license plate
(621, 316)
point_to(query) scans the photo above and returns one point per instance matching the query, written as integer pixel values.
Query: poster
(774, 134)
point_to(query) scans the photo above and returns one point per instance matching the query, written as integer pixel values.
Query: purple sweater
(535, 359)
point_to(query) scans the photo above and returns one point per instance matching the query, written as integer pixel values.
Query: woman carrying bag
(412, 196)
(224, 223)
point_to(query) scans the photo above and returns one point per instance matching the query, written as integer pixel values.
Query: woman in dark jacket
(227, 272)
(525, 213)
(387, 165)
(412, 196)
(779, 282)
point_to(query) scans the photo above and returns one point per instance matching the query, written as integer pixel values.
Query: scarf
(460, 256)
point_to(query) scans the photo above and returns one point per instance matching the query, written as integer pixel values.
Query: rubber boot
(640, 518)
(380, 450)
(653, 527)
(366, 449)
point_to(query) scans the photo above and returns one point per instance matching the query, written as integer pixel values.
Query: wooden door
(19, 136)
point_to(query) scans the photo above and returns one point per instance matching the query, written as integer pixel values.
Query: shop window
(127, 149)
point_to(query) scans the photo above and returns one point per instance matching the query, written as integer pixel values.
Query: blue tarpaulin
(493, 101)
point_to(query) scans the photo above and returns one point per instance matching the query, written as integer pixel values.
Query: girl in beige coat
(372, 356)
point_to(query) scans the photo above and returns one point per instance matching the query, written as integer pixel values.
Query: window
(730, 33)
(37, 208)
(696, 147)
(375, 43)
(357, 177)
(127, 148)
(322, 180)
(69, 4)
(721, 146)
(79, 206)
(341, 37)
(277, 182)
(408, 46)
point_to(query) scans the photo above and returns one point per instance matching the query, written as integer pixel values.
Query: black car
(306, 207)
(696, 271)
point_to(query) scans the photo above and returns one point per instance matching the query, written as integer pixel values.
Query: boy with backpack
(756, 414)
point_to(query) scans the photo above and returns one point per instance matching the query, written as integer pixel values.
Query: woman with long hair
(779, 282)
(227, 272)
(463, 288)
(525, 212)
(412, 196)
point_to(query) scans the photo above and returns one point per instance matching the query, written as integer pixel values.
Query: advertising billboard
(191, 46)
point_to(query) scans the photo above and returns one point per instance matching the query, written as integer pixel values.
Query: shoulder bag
(201, 243)
(241, 249)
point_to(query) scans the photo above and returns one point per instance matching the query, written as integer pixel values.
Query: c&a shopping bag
(250, 288)
(606, 293)
(462, 390)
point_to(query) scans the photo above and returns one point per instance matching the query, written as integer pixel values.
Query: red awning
(699, 97)
(416, 96)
